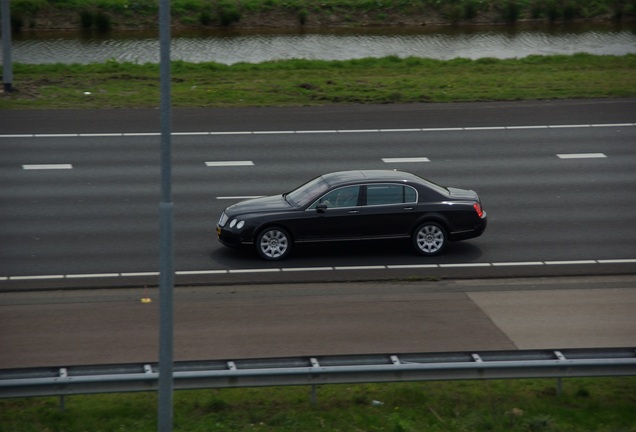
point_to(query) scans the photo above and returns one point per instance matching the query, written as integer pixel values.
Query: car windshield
(307, 192)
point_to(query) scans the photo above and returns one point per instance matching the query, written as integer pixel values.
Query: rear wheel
(273, 244)
(429, 239)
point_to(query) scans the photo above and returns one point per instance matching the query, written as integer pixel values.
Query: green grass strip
(586, 404)
(307, 83)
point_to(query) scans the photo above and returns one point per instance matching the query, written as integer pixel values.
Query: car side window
(410, 194)
(338, 198)
(385, 194)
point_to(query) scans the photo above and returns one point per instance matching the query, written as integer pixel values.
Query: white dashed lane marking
(326, 131)
(228, 163)
(406, 160)
(47, 167)
(251, 163)
(238, 197)
(581, 155)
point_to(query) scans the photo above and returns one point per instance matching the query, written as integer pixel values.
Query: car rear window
(383, 194)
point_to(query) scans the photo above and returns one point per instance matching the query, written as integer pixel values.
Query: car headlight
(237, 223)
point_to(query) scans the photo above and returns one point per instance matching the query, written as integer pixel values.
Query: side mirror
(321, 208)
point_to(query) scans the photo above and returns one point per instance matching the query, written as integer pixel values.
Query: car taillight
(478, 209)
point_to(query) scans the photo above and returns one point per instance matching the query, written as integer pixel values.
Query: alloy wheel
(430, 239)
(274, 244)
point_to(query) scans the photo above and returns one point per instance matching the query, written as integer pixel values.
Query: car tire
(430, 239)
(274, 244)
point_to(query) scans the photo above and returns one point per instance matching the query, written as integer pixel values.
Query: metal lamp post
(166, 285)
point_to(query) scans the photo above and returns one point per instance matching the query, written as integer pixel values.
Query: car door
(390, 210)
(337, 213)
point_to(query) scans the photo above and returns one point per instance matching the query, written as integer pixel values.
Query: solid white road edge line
(337, 268)
(449, 129)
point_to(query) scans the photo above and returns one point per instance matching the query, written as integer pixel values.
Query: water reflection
(230, 47)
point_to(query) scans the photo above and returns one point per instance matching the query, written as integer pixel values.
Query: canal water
(229, 47)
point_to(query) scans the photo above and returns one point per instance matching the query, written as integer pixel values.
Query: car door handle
(408, 208)
(354, 211)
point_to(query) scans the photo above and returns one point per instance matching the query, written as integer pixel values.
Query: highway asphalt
(63, 328)
(330, 117)
(556, 178)
(554, 270)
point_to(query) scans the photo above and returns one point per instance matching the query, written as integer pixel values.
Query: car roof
(343, 177)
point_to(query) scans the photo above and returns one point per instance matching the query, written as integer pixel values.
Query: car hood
(263, 204)
(463, 193)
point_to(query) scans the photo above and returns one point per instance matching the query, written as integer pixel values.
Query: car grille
(222, 219)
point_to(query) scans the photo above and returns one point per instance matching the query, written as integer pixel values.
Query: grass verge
(586, 404)
(306, 82)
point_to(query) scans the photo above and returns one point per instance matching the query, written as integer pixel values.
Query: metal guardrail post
(559, 386)
(314, 389)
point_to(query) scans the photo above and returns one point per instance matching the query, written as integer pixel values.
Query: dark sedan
(355, 205)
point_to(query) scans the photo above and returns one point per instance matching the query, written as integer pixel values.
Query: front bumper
(229, 238)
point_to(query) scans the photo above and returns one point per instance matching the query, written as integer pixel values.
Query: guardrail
(341, 369)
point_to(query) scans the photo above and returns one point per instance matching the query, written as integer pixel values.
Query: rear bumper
(476, 230)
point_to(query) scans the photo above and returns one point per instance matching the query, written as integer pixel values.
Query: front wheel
(429, 239)
(273, 244)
